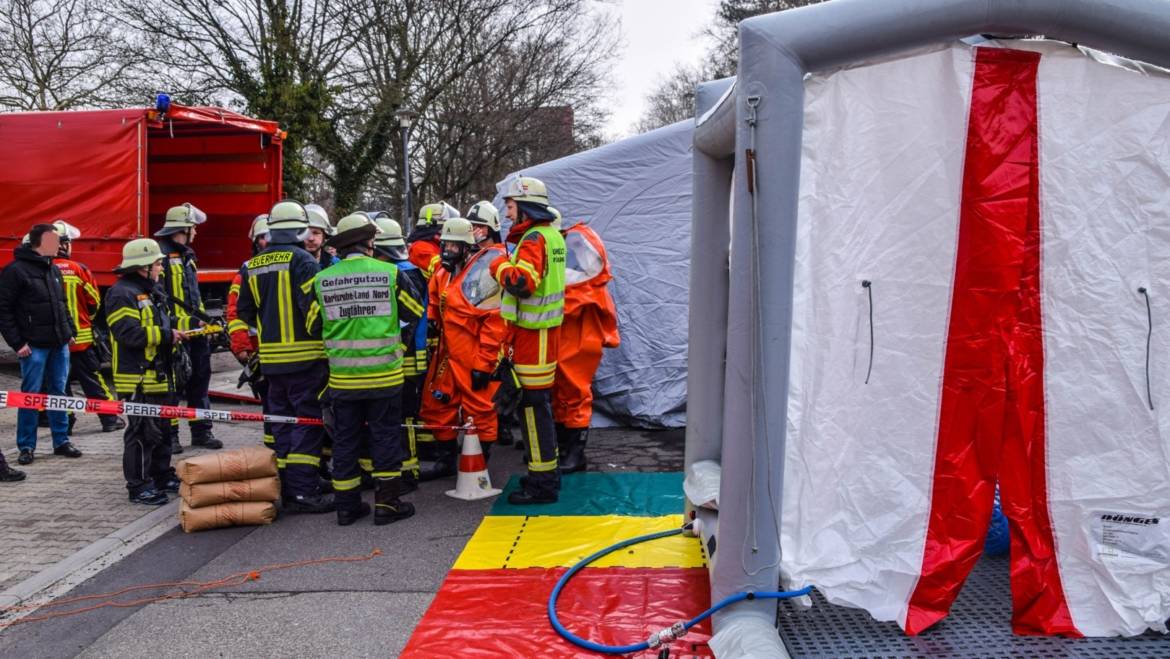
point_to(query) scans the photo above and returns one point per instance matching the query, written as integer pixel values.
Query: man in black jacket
(35, 322)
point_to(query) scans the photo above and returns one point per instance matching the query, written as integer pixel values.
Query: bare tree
(59, 55)
(673, 98)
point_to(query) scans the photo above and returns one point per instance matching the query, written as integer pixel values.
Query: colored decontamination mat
(494, 601)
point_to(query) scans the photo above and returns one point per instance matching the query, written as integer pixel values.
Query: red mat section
(502, 613)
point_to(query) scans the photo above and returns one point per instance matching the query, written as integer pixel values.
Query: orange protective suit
(467, 309)
(590, 325)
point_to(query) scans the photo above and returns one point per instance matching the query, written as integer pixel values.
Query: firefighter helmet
(485, 214)
(288, 214)
(319, 219)
(526, 188)
(66, 231)
(180, 218)
(389, 233)
(436, 213)
(353, 229)
(259, 227)
(140, 253)
(457, 230)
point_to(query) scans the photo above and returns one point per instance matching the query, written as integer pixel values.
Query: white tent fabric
(636, 194)
(1008, 209)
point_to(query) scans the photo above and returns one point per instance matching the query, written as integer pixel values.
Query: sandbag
(240, 513)
(210, 494)
(235, 465)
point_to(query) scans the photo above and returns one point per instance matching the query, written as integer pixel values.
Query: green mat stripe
(633, 494)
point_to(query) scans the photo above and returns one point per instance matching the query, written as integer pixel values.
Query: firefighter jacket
(425, 251)
(414, 335)
(140, 329)
(356, 310)
(466, 306)
(540, 259)
(180, 280)
(276, 292)
(82, 300)
(243, 338)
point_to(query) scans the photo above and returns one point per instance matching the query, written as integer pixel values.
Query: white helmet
(259, 227)
(457, 230)
(389, 233)
(436, 213)
(180, 218)
(485, 214)
(140, 253)
(319, 219)
(526, 188)
(288, 214)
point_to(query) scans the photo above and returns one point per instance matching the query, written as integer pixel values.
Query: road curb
(156, 522)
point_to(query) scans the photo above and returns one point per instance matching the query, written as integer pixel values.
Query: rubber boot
(388, 507)
(443, 466)
(350, 514)
(572, 457)
(504, 435)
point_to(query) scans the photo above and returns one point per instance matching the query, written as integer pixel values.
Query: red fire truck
(114, 173)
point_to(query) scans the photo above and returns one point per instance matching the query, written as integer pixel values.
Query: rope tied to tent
(1149, 336)
(868, 286)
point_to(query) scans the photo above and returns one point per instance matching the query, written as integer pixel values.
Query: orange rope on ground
(199, 587)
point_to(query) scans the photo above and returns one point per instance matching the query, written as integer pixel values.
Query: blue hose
(645, 645)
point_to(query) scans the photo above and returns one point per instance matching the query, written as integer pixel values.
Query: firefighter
(423, 244)
(390, 247)
(533, 304)
(243, 338)
(180, 282)
(357, 308)
(485, 220)
(142, 340)
(320, 228)
(589, 325)
(464, 301)
(82, 299)
(275, 295)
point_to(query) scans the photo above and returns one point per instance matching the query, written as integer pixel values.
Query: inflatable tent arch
(750, 324)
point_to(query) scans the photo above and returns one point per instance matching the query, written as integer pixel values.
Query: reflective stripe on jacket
(545, 307)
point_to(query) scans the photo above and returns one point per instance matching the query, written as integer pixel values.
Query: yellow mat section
(545, 542)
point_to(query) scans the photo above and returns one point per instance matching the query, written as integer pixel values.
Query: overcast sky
(656, 34)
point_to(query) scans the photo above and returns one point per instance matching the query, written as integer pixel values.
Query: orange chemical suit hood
(586, 277)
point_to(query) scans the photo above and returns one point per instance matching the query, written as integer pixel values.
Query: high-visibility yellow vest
(546, 306)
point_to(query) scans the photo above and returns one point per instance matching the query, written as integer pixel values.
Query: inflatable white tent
(636, 194)
(951, 267)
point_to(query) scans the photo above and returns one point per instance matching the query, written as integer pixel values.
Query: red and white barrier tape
(21, 400)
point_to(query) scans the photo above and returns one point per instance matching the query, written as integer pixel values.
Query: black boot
(111, 423)
(504, 434)
(529, 494)
(311, 504)
(349, 514)
(572, 457)
(387, 506)
(176, 447)
(409, 482)
(443, 466)
(202, 437)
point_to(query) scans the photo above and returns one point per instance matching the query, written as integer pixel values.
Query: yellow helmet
(526, 188)
(457, 230)
(140, 253)
(288, 214)
(436, 213)
(389, 233)
(66, 231)
(484, 213)
(319, 219)
(180, 218)
(259, 227)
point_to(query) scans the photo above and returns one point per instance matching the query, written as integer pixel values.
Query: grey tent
(636, 194)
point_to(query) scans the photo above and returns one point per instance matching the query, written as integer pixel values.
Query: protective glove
(517, 286)
(480, 380)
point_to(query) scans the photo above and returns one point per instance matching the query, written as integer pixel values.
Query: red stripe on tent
(503, 613)
(993, 338)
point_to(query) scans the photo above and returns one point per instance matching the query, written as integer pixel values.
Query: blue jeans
(47, 367)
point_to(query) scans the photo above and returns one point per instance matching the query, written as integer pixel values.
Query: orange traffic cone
(473, 481)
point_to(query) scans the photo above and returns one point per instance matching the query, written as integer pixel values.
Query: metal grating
(979, 626)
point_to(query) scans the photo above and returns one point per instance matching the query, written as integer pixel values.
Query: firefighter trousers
(411, 404)
(198, 383)
(298, 447)
(85, 367)
(369, 424)
(146, 447)
(540, 437)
